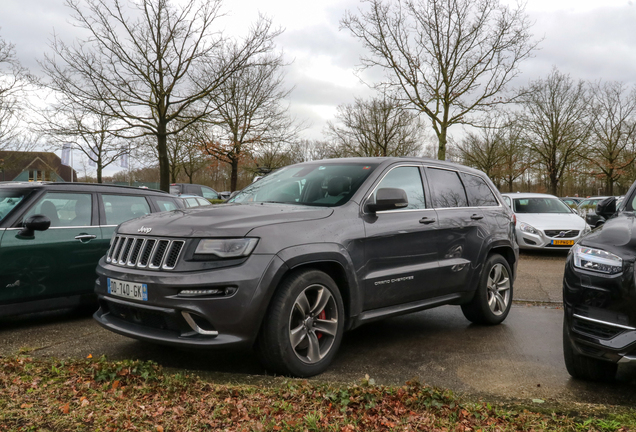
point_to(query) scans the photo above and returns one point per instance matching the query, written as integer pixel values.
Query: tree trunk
(164, 162)
(609, 185)
(554, 181)
(99, 171)
(234, 177)
(441, 149)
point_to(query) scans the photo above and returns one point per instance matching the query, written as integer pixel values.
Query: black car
(194, 189)
(587, 210)
(53, 234)
(599, 294)
(308, 252)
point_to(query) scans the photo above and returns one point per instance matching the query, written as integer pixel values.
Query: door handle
(83, 237)
(476, 217)
(426, 220)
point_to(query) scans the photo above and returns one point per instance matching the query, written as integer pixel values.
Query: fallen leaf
(89, 356)
(84, 402)
(159, 428)
(65, 409)
(115, 384)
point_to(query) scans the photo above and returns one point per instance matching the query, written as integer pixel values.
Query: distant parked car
(190, 201)
(193, 189)
(587, 210)
(544, 221)
(572, 202)
(53, 234)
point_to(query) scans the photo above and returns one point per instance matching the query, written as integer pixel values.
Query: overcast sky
(589, 39)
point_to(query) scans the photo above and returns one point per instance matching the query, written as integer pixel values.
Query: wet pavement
(520, 359)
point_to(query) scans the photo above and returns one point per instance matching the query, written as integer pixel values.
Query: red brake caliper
(322, 315)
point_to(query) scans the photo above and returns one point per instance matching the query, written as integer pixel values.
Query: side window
(120, 208)
(209, 193)
(203, 202)
(193, 189)
(409, 179)
(447, 188)
(191, 202)
(479, 194)
(507, 201)
(166, 204)
(64, 209)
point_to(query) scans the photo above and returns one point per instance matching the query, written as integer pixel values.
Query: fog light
(224, 291)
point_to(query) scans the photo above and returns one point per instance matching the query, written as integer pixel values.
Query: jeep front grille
(145, 252)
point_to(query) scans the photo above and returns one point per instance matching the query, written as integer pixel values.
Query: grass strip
(50, 395)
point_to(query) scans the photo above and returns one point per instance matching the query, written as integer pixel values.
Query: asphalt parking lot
(522, 358)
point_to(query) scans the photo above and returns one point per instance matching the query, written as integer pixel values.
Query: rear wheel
(493, 298)
(303, 326)
(583, 367)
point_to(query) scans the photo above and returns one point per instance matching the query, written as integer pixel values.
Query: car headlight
(528, 228)
(597, 260)
(226, 248)
(587, 229)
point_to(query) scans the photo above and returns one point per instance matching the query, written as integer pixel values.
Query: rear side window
(166, 204)
(479, 194)
(209, 193)
(410, 180)
(448, 190)
(175, 190)
(120, 208)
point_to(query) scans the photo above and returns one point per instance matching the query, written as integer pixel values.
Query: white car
(544, 221)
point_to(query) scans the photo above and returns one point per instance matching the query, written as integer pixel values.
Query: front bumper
(600, 312)
(542, 241)
(205, 321)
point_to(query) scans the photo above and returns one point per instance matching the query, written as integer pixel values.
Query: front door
(57, 262)
(400, 245)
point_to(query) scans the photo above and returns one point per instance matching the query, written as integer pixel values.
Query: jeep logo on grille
(144, 230)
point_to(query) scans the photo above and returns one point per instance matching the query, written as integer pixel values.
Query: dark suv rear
(308, 252)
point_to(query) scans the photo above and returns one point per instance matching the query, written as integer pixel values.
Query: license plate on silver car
(137, 291)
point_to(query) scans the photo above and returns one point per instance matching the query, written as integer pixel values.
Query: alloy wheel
(498, 289)
(313, 323)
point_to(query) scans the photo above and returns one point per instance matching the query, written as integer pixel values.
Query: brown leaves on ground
(96, 394)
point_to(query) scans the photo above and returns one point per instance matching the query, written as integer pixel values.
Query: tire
(303, 327)
(583, 367)
(493, 297)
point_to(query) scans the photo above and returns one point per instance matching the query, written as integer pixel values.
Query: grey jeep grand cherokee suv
(308, 252)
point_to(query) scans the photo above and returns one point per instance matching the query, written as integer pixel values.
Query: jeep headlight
(226, 248)
(596, 260)
(528, 228)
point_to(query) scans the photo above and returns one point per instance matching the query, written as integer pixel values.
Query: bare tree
(13, 81)
(483, 150)
(146, 63)
(249, 112)
(613, 124)
(376, 127)
(555, 123)
(448, 58)
(88, 130)
(514, 150)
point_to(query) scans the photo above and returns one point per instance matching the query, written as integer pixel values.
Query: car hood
(617, 235)
(552, 221)
(225, 220)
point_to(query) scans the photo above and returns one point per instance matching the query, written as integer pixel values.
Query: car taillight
(514, 219)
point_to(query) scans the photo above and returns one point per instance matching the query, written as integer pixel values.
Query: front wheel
(303, 326)
(493, 298)
(583, 367)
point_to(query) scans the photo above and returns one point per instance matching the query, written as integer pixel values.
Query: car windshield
(321, 184)
(540, 205)
(9, 199)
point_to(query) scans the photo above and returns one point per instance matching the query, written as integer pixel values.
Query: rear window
(120, 208)
(479, 194)
(448, 190)
(175, 190)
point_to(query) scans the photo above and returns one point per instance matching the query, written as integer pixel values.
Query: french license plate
(562, 242)
(137, 291)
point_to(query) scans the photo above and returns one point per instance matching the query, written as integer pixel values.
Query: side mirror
(32, 224)
(387, 199)
(606, 208)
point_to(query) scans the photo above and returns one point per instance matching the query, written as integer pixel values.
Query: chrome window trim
(603, 322)
(406, 164)
(58, 227)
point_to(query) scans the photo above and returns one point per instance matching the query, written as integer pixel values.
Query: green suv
(53, 234)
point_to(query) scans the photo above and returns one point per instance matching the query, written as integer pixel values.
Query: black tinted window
(448, 190)
(408, 179)
(479, 194)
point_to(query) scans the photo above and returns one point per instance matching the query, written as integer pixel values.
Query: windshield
(9, 199)
(325, 184)
(540, 205)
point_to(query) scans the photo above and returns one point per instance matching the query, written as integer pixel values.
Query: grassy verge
(100, 395)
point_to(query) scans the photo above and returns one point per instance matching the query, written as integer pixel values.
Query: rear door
(400, 245)
(462, 230)
(57, 262)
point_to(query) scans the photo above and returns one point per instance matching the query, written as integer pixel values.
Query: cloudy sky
(589, 39)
